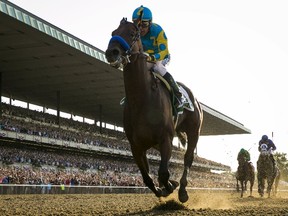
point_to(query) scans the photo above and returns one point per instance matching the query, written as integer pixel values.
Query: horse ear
(124, 20)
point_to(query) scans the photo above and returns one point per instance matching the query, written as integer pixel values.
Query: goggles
(143, 24)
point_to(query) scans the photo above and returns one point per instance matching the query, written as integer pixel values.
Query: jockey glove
(151, 58)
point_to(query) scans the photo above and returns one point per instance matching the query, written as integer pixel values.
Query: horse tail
(182, 136)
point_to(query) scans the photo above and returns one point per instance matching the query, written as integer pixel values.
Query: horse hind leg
(252, 180)
(251, 187)
(188, 160)
(276, 183)
(245, 185)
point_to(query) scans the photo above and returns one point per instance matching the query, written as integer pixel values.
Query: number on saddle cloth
(187, 103)
(264, 147)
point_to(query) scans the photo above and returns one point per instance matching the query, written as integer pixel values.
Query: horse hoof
(174, 183)
(162, 192)
(183, 195)
(158, 192)
(165, 193)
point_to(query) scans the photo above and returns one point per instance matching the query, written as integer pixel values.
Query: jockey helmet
(146, 14)
(242, 150)
(264, 138)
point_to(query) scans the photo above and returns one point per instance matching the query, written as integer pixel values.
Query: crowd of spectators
(26, 166)
(32, 122)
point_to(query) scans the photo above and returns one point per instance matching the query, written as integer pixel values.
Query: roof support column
(58, 108)
(0, 94)
(100, 118)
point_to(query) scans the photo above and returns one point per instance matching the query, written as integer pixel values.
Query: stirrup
(180, 109)
(179, 105)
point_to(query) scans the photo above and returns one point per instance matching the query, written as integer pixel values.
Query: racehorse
(266, 171)
(245, 173)
(148, 114)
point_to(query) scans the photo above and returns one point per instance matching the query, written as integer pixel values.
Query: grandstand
(40, 64)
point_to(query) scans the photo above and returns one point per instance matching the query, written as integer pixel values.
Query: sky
(232, 54)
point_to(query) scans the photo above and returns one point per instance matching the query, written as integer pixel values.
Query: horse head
(264, 151)
(264, 159)
(125, 42)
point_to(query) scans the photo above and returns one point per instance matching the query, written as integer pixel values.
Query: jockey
(243, 155)
(155, 44)
(270, 146)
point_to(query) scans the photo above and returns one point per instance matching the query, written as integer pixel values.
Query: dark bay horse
(148, 115)
(245, 173)
(266, 172)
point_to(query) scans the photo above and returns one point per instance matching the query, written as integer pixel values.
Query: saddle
(188, 105)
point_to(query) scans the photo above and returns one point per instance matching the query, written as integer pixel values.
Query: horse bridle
(125, 59)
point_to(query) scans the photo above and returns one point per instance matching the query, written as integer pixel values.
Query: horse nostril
(116, 52)
(112, 53)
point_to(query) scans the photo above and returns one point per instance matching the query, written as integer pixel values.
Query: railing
(68, 189)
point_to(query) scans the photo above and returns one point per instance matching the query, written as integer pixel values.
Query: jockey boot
(180, 100)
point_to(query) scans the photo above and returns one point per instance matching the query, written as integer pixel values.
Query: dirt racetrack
(200, 203)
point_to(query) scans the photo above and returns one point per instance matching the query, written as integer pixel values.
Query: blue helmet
(146, 14)
(264, 138)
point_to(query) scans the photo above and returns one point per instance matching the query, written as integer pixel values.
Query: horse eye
(133, 34)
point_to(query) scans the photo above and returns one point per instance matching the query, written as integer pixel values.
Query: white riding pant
(158, 67)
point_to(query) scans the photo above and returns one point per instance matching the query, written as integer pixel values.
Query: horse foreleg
(163, 172)
(142, 163)
(242, 187)
(261, 185)
(245, 185)
(270, 182)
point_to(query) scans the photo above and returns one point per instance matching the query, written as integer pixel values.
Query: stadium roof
(44, 65)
